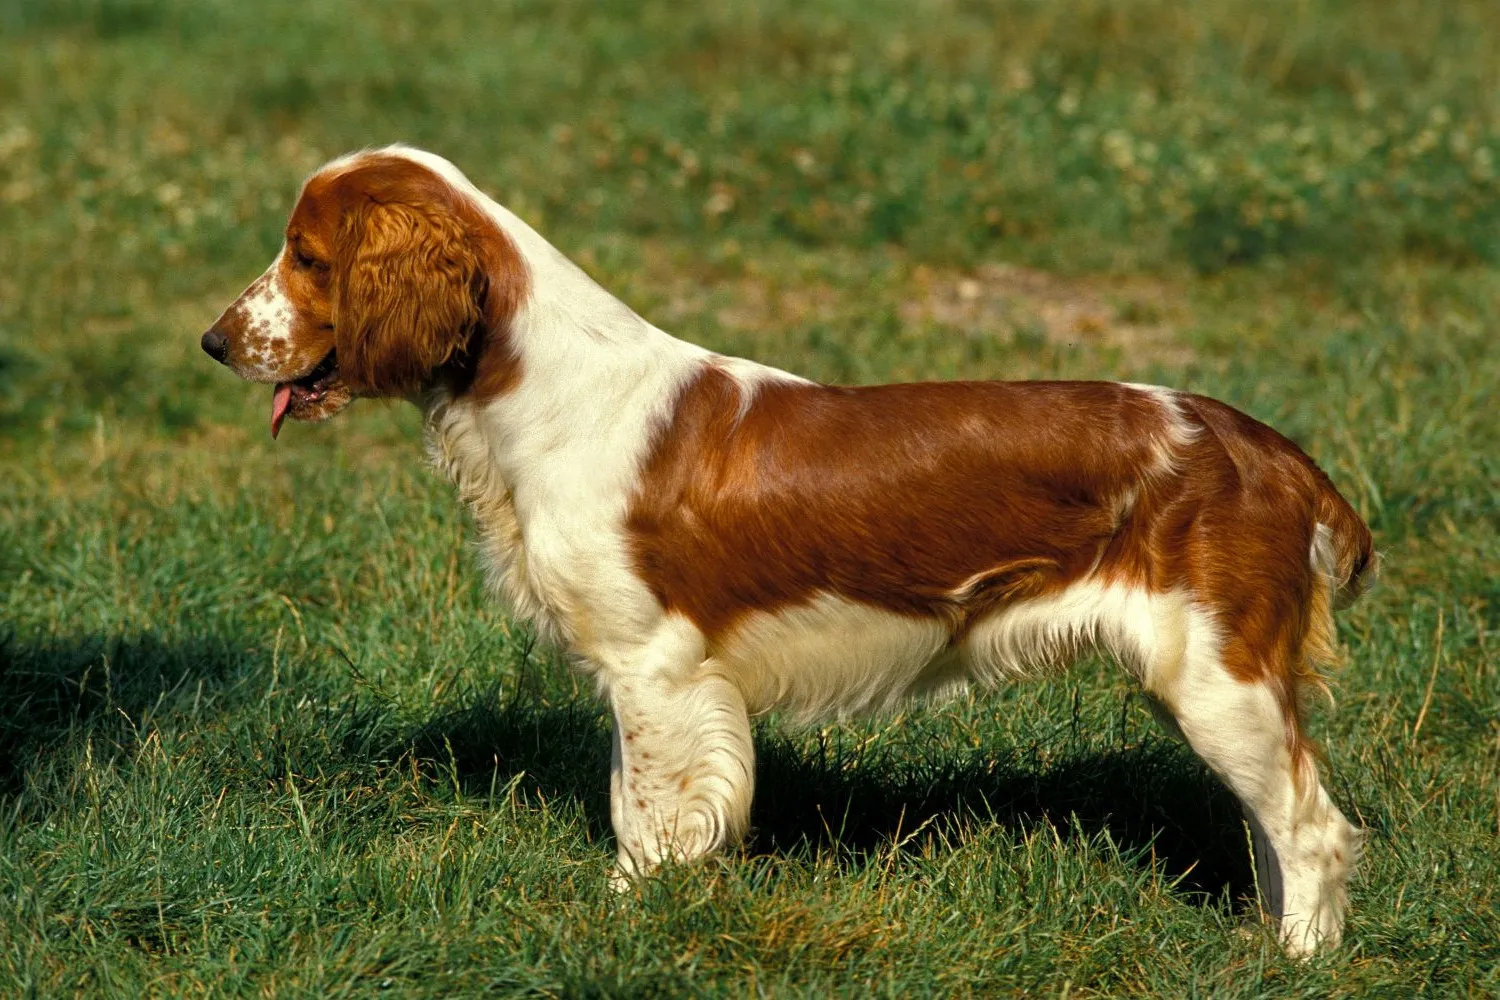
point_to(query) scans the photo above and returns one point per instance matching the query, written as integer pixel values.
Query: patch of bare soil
(1136, 315)
(1139, 316)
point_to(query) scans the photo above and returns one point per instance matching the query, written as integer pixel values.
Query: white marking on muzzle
(266, 319)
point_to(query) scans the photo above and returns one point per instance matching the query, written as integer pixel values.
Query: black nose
(216, 345)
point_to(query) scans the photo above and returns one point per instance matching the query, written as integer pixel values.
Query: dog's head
(390, 276)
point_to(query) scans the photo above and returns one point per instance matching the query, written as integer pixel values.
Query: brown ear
(406, 289)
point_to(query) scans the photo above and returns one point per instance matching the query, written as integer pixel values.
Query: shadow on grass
(113, 683)
(1154, 799)
(842, 792)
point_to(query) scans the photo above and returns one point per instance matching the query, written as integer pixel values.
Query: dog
(711, 538)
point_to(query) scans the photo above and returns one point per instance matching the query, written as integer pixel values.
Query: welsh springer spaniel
(712, 538)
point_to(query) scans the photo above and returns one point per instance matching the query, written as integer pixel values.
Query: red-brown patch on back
(951, 500)
(941, 499)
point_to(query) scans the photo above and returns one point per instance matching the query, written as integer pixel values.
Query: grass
(263, 733)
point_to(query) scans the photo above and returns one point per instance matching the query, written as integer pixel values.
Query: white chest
(459, 451)
(556, 557)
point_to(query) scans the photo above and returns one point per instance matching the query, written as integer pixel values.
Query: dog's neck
(593, 381)
(547, 464)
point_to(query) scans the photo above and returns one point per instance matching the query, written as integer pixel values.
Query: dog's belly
(833, 657)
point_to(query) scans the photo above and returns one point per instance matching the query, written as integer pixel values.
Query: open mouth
(301, 393)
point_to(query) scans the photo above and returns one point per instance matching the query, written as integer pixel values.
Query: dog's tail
(1342, 549)
(1344, 564)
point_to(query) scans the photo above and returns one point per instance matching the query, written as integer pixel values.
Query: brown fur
(405, 303)
(899, 496)
(950, 500)
(418, 282)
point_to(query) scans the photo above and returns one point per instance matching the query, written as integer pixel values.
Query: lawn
(262, 731)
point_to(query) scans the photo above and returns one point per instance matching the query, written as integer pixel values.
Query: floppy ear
(407, 283)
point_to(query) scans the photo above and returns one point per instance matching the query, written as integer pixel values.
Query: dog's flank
(713, 538)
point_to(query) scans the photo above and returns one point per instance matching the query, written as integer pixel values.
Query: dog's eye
(302, 260)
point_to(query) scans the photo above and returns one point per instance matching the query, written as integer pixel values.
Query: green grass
(262, 732)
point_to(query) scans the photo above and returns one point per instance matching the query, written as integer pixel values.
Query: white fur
(830, 657)
(1305, 848)
(267, 323)
(1048, 632)
(1179, 432)
(835, 657)
(1324, 556)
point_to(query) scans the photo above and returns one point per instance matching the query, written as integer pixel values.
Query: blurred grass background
(262, 732)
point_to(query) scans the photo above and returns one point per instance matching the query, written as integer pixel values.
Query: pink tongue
(280, 400)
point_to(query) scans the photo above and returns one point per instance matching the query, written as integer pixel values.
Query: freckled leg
(682, 769)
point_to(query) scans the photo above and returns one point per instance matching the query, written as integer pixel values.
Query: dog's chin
(333, 400)
(317, 395)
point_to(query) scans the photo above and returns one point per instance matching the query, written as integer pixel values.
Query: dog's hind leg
(1237, 712)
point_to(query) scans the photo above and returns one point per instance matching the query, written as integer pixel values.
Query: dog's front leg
(682, 769)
